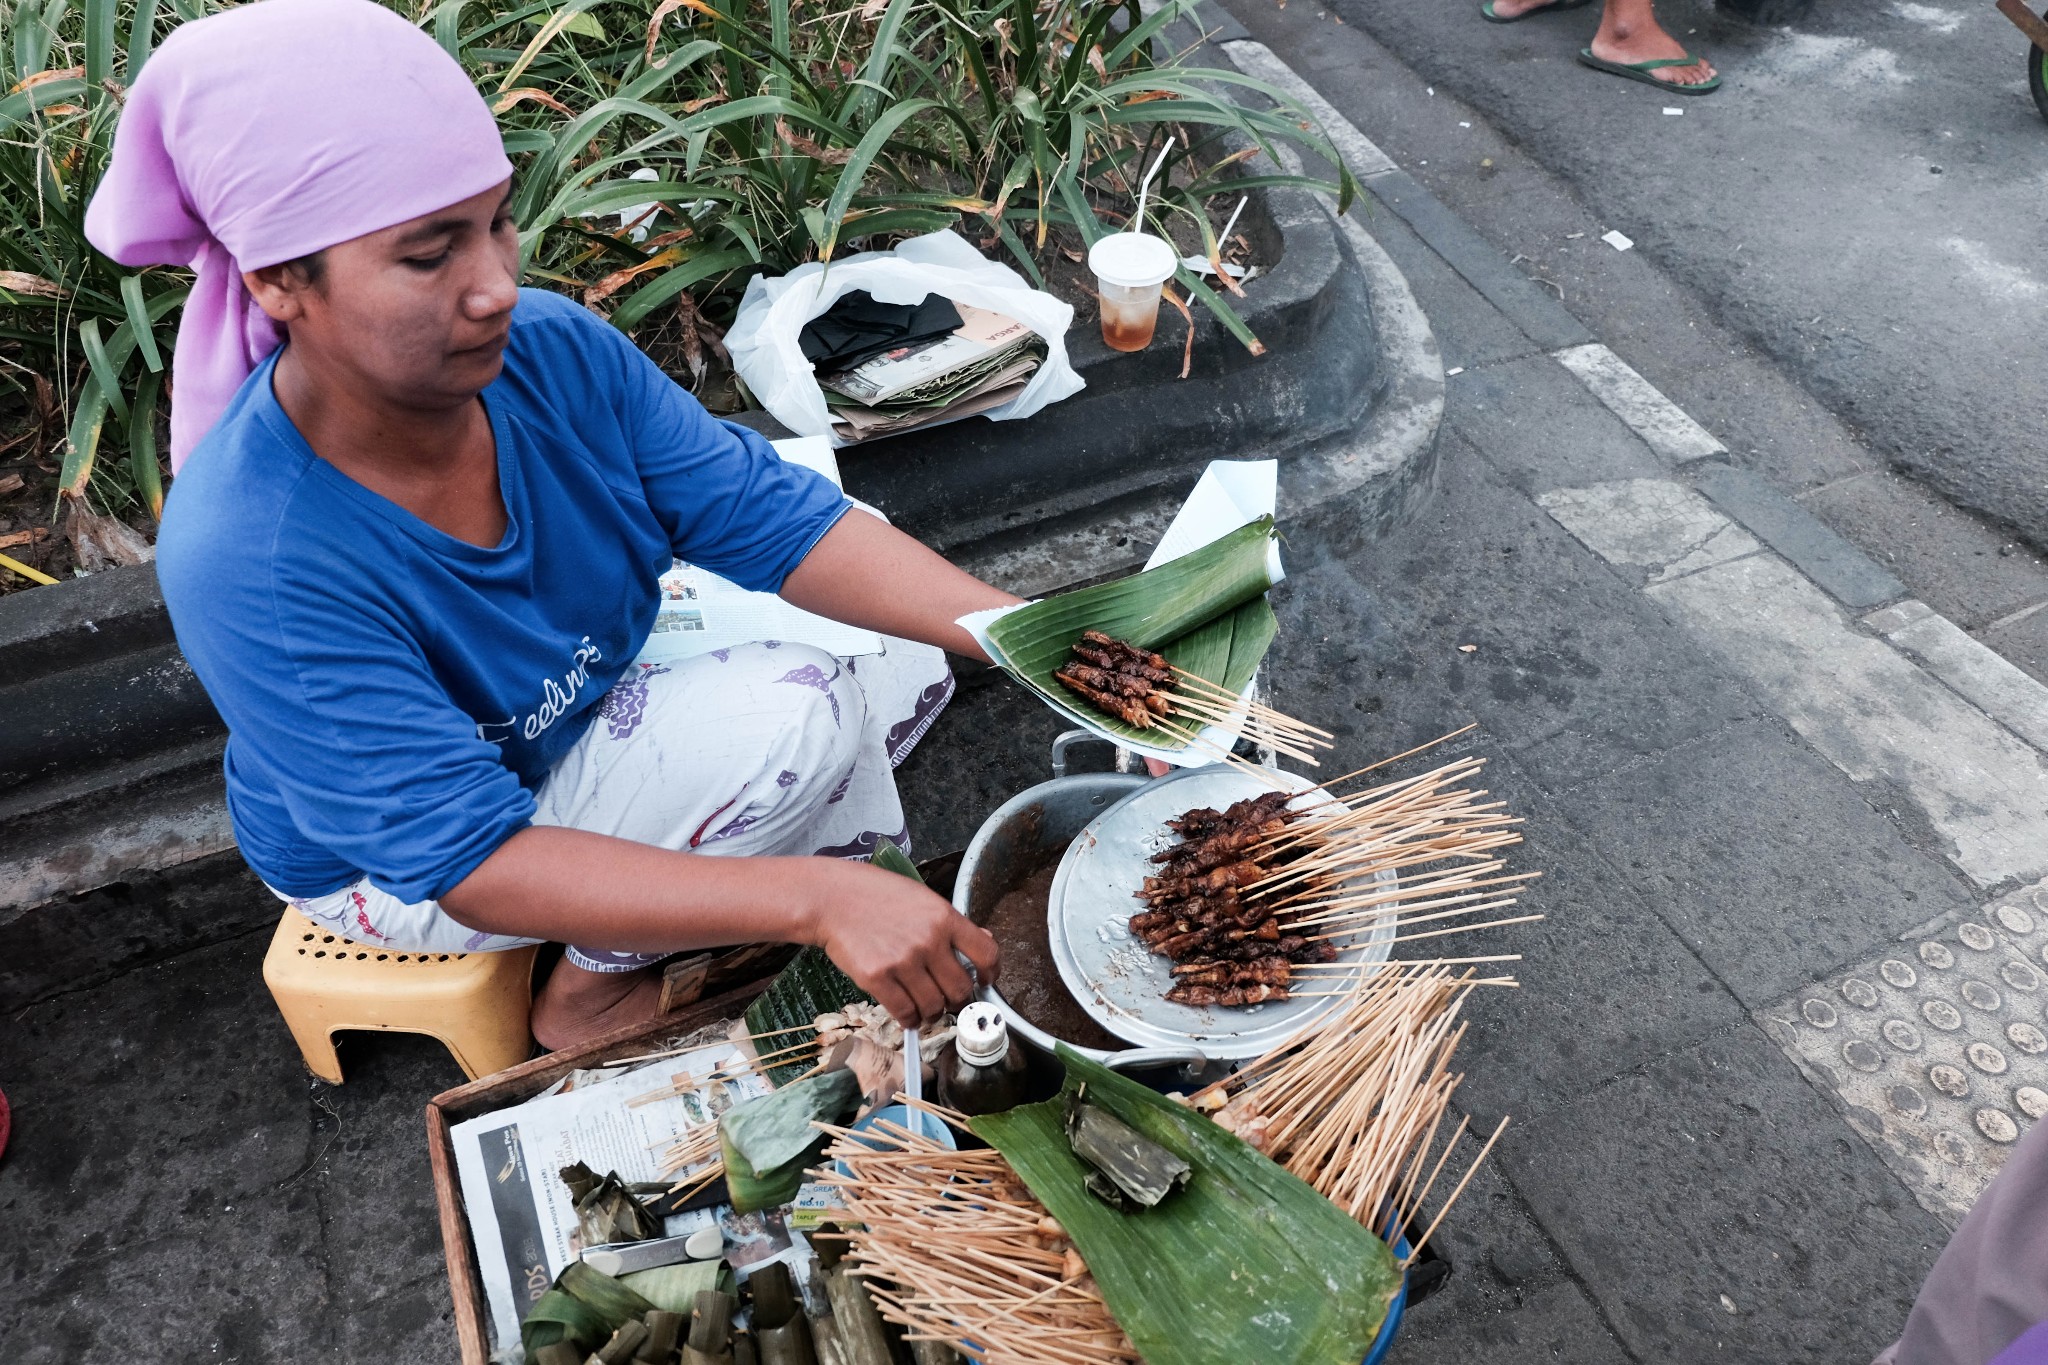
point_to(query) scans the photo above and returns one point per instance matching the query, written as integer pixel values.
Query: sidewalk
(1791, 826)
(1785, 1014)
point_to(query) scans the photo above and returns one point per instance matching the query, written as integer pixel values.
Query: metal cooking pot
(1021, 833)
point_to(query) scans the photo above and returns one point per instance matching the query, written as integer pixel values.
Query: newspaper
(982, 338)
(856, 423)
(700, 612)
(520, 1214)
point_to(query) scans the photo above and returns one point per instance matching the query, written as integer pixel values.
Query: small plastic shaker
(980, 1072)
(1129, 268)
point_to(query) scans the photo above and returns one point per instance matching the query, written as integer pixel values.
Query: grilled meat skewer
(1131, 712)
(1228, 877)
(1230, 995)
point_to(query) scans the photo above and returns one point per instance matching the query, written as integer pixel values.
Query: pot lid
(1133, 260)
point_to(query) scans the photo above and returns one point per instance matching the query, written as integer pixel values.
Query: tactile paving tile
(1938, 1049)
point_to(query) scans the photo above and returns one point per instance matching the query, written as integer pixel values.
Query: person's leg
(763, 750)
(1629, 33)
(728, 754)
(591, 992)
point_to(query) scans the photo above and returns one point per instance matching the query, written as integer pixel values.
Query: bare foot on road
(576, 1006)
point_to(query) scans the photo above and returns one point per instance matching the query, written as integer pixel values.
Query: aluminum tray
(1118, 981)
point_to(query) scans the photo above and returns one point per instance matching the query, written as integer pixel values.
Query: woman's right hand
(897, 940)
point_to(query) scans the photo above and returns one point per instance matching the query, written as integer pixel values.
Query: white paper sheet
(700, 611)
(520, 1213)
(1230, 494)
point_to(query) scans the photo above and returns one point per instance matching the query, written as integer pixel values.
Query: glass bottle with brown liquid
(980, 1070)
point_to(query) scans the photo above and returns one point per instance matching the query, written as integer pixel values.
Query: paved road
(1837, 259)
(1752, 873)
(1863, 200)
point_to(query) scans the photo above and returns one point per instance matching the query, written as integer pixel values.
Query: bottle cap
(1133, 260)
(981, 1034)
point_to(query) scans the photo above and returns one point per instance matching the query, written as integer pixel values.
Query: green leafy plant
(778, 134)
(764, 135)
(95, 334)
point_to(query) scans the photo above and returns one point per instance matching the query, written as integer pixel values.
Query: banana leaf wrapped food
(585, 1309)
(606, 1210)
(768, 1142)
(1128, 1169)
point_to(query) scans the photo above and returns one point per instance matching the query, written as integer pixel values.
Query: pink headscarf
(270, 132)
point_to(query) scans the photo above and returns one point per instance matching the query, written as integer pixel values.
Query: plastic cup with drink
(1130, 268)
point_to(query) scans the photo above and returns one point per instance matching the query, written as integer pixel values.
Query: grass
(762, 135)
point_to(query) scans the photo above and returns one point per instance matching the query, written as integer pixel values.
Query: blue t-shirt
(393, 694)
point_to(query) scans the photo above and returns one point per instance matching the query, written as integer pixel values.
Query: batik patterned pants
(766, 749)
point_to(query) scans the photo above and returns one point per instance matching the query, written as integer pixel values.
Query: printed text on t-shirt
(558, 697)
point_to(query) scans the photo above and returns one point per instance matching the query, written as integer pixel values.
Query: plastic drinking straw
(1224, 235)
(1138, 219)
(32, 575)
(913, 1079)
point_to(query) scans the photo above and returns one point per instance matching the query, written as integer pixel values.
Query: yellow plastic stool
(476, 1004)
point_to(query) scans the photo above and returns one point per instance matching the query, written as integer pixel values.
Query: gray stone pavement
(1747, 795)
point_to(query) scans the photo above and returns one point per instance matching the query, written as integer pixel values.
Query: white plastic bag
(765, 340)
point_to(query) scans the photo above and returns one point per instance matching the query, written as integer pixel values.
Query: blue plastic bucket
(1384, 1342)
(900, 1116)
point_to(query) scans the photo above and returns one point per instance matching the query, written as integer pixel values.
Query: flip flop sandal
(1640, 71)
(1486, 11)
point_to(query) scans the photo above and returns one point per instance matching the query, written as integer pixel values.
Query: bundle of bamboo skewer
(1258, 897)
(1353, 1105)
(955, 1249)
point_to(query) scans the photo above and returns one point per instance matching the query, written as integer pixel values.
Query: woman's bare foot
(1629, 33)
(576, 1006)
(1515, 9)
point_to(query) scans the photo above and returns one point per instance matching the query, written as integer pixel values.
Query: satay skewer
(1197, 683)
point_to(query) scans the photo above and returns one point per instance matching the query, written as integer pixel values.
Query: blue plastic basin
(1384, 1342)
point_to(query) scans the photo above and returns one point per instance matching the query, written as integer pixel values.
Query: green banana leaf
(674, 1288)
(774, 1129)
(751, 1190)
(1206, 612)
(1245, 1263)
(811, 985)
(584, 1306)
(784, 1015)
(890, 858)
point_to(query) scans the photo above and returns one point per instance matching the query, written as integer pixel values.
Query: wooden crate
(510, 1087)
(528, 1079)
